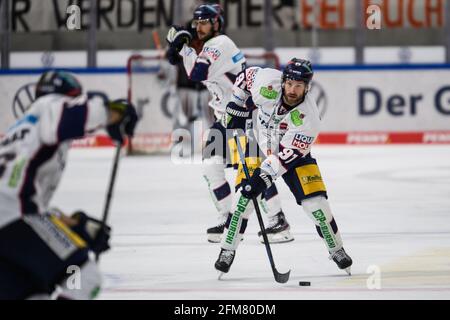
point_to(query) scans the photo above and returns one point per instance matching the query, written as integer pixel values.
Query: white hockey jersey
(284, 136)
(225, 61)
(33, 151)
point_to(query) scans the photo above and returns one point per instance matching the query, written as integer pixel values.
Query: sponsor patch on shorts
(310, 179)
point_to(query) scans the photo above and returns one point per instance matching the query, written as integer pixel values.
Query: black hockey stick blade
(281, 277)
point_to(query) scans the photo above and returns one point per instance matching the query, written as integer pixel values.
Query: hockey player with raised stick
(40, 248)
(287, 124)
(216, 66)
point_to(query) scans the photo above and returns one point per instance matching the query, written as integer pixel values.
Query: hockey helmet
(210, 12)
(58, 82)
(299, 70)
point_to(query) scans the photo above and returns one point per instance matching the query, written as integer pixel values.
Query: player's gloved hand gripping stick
(279, 277)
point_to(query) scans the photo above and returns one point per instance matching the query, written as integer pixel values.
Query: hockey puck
(304, 283)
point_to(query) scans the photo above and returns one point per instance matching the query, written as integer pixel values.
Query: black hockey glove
(235, 116)
(126, 125)
(258, 182)
(177, 37)
(173, 56)
(92, 231)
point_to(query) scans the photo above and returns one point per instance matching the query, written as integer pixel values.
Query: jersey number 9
(287, 155)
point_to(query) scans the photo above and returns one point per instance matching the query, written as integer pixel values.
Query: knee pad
(318, 209)
(214, 174)
(311, 205)
(271, 202)
(213, 170)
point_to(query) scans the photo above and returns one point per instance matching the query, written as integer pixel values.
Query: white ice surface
(391, 203)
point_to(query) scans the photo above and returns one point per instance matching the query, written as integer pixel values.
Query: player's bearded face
(294, 91)
(204, 29)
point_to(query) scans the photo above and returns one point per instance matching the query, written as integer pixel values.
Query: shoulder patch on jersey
(297, 118)
(237, 57)
(31, 119)
(268, 92)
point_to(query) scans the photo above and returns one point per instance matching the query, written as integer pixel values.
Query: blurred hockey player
(287, 124)
(41, 248)
(216, 66)
(192, 97)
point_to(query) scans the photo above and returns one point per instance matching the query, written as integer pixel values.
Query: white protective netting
(152, 89)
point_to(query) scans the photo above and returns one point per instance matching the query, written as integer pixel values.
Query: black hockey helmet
(211, 12)
(299, 70)
(55, 81)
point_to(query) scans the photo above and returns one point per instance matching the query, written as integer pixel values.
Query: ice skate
(215, 233)
(224, 261)
(278, 231)
(342, 260)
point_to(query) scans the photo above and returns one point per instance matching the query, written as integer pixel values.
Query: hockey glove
(127, 120)
(258, 182)
(177, 37)
(173, 56)
(235, 116)
(92, 231)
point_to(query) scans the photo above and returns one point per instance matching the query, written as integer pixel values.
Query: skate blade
(281, 237)
(220, 275)
(349, 271)
(214, 238)
(218, 239)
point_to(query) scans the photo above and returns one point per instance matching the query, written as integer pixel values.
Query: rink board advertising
(357, 106)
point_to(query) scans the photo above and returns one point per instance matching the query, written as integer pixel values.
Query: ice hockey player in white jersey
(287, 124)
(216, 66)
(37, 243)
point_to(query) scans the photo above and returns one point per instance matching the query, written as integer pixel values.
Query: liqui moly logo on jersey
(213, 53)
(301, 141)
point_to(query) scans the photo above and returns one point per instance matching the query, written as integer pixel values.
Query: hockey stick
(157, 42)
(110, 189)
(279, 277)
